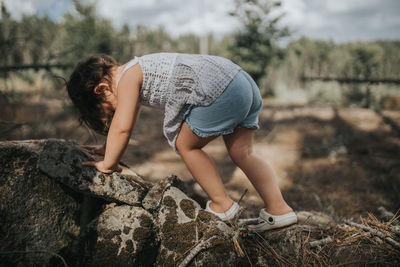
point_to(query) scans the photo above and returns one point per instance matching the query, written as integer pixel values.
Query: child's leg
(202, 167)
(240, 148)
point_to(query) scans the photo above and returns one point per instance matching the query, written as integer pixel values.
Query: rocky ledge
(54, 212)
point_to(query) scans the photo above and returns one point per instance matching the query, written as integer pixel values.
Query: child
(203, 97)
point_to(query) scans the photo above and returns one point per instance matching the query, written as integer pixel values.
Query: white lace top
(174, 81)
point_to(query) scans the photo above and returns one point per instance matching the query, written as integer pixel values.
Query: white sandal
(227, 215)
(267, 221)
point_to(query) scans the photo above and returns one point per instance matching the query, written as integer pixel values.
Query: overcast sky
(339, 20)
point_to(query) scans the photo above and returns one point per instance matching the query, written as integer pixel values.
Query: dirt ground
(343, 161)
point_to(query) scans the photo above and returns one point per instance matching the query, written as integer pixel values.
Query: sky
(337, 20)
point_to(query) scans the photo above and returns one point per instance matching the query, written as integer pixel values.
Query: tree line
(38, 40)
(348, 62)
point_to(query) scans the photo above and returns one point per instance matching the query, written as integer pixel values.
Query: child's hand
(95, 149)
(100, 166)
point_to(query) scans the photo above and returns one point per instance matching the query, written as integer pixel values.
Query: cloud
(53, 8)
(343, 20)
(339, 20)
(20, 7)
(176, 15)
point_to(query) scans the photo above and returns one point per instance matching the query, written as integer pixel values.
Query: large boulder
(62, 161)
(49, 203)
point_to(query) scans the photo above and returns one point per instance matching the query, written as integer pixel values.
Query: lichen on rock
(124, 234)
(36, 213)
(153, 198)
(182, 223)
(62, 161)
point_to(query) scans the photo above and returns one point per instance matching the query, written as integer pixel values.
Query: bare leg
(202, 167)
(260, 174)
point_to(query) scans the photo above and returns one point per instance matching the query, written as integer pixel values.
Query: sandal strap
(272, 219)
(268, 221)
(227, 215)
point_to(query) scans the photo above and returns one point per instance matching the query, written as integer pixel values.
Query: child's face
(110, 100)
(108, 110)
(109, 105)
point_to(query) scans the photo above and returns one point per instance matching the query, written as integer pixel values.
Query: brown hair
(88, 73)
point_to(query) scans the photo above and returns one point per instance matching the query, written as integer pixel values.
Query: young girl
(203, 97)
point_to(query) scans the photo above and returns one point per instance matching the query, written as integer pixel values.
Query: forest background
(302, 70)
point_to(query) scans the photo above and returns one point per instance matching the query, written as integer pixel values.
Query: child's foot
(227, 215)
(267, 221)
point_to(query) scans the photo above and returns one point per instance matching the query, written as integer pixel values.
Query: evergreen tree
(255, 44)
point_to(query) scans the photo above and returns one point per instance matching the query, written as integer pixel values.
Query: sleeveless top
(173, 82)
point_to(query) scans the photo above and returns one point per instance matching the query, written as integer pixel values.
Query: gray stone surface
(125, 236)
(182, 223)
(36, 213)
(62, 161)
(153, 198)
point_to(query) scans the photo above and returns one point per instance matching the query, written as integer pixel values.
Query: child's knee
(240, 154)
(181, 146)
(184, 145)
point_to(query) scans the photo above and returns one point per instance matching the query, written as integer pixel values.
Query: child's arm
(125, 117)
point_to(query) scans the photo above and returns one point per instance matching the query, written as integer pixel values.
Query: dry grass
(349, 245)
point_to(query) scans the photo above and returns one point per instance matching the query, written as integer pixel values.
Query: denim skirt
(237, 106)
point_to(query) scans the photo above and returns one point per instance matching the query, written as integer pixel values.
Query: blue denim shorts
(237, 106)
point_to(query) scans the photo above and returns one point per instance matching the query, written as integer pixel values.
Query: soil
(341, 160)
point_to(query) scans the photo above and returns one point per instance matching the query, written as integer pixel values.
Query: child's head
(82, 89)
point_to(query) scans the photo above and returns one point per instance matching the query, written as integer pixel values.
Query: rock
(182, 223)
(154, 196)
(62, 161)
(125, 237)
(36, 213)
